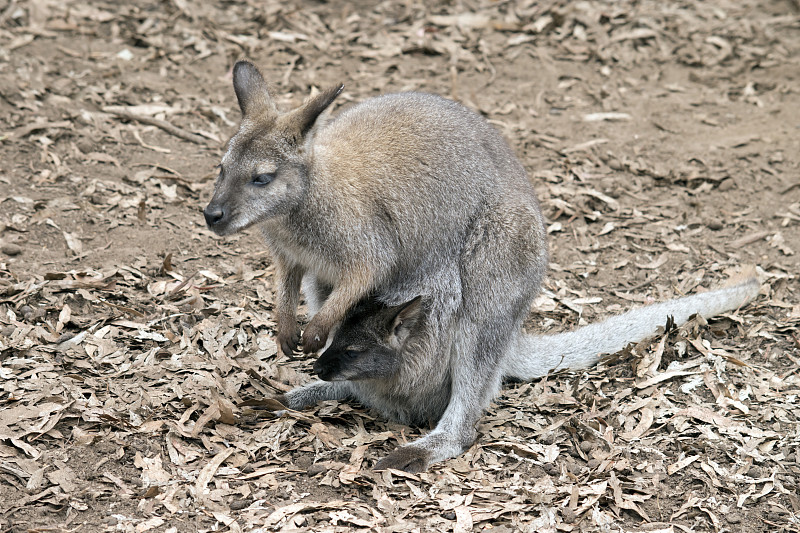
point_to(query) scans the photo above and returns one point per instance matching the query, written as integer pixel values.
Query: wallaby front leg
(288, 279)
(344, 296)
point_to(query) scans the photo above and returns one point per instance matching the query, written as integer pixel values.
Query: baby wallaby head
(369, 342)
(264, 172)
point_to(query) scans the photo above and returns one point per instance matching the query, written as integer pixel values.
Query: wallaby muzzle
(214, 215)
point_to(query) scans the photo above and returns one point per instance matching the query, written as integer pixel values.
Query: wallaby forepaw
(406, 458)
(314, 337)
(288, 342)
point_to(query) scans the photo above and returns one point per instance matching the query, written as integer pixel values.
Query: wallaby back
(395, 189)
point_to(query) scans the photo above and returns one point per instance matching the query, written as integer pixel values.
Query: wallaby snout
(214, 214)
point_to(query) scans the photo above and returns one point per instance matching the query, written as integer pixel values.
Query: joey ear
(251, 89)
(406, 317)
(301, 120)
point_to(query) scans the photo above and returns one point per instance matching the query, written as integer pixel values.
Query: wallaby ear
(406, 317)
(301, 120)
(251, 89)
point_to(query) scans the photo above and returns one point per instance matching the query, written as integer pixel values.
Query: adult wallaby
(374, 357)
(401, 195)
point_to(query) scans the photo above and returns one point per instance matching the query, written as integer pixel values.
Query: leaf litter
(136, 348)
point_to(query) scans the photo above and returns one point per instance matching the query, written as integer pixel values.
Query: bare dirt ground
(663, 138)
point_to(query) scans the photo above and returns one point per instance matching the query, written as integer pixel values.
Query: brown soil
(663, 138)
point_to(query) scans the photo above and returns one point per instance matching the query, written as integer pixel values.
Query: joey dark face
(369, 342)
(264, 172)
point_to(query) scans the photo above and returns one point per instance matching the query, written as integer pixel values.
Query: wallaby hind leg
(476, 380)
(502, 265)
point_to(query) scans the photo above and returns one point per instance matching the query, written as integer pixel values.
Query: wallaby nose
(213, 215)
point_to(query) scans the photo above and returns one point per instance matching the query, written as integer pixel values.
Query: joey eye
(352, 354)
(263, 179)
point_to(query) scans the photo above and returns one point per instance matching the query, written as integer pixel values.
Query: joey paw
(277, 402)
(271, 402)
(407, 458)
(314, 337)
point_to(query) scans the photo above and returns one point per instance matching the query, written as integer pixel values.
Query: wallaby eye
(263, 179)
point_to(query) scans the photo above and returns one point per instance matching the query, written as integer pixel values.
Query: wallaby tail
(532, 356)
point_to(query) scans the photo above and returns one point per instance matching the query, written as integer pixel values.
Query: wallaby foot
(438, 445)
(409, 458)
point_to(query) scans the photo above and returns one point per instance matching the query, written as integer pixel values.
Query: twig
(177, 291)
(163, 124)
(749, 239)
